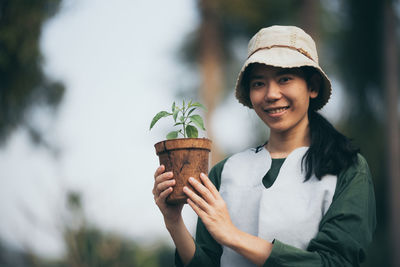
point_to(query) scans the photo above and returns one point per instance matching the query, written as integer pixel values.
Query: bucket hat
(285, 47)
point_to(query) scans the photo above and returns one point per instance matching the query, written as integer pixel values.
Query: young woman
(304, 198)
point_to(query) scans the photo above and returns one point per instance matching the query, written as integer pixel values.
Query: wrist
(174, 224)
(232, 237)
(253, 248)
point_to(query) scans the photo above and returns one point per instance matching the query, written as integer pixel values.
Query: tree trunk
(393, 148)
(308, 17)
(210, 66)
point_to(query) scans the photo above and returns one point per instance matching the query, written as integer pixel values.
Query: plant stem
(185, 118)
(184, 121)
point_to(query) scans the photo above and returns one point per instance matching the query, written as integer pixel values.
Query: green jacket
(344, 234)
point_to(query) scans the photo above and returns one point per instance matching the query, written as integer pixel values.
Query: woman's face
(280, 97)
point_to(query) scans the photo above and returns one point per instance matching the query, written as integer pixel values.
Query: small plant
(183, 116)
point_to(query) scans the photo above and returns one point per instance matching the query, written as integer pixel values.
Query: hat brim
(283, 57)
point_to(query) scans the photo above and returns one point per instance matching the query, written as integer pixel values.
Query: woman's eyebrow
(256, 76)
(286, 71)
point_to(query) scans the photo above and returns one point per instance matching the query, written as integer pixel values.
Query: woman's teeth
(276, 110)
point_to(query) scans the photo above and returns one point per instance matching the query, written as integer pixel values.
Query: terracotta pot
(185, 157)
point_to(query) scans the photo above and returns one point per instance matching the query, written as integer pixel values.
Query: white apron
(289, 211)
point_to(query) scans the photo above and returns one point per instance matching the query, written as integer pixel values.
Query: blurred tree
(368, 63)
(391, 84)
(309, 17)
(210, 61)
(23, 84)
(10, 257)
(87, 246)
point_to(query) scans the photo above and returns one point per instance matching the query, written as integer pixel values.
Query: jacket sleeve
(208, 252)
(344, 232)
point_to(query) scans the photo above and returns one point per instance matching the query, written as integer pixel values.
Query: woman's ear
(314, 85)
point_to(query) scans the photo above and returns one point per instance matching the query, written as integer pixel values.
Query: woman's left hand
(211, 208)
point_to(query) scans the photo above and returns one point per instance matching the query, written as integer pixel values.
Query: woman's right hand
(163, 183)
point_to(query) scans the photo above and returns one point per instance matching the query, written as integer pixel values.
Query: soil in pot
(185, 157)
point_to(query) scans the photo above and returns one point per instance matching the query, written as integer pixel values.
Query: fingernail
(191, 179)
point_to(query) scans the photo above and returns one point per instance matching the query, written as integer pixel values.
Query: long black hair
(330, 152)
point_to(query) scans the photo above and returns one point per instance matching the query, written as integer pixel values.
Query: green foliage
(23, 84)
(186, 119)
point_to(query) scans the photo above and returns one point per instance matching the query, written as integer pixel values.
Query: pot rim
(183, 143)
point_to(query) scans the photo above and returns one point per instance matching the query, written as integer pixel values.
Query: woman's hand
(211, 208)
(163, 183)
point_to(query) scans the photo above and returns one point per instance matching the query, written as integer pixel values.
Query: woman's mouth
(276, 110)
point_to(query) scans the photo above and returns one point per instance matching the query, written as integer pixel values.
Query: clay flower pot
(185, 157)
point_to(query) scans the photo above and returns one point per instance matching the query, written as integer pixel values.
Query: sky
(119, 65)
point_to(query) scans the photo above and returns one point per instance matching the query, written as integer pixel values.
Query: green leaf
(190, 104)
(158, 116)
(197, 104)
(196, 119)
(190, 112)
(178, 123)
(182, 119)
(176, 111)
(191, 131)
(173, 107)
(172, 135)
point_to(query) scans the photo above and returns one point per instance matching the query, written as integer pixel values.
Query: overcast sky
(118, 63)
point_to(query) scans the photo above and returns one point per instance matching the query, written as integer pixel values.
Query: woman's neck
(281, 144)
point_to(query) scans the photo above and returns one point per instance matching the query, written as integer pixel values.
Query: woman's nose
(273, 92)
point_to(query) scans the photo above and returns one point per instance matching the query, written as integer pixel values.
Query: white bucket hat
(285, 47)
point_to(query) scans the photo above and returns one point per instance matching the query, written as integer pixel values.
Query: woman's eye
(284, 79)
(256, 84)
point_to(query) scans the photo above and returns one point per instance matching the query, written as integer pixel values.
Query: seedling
(183, 117)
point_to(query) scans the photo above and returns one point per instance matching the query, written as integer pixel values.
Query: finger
(210, 186)
(159, 170)
(164, 185)
(163, 177)
(196, 198)
(204, 191)
(164, 194)
(196, 209)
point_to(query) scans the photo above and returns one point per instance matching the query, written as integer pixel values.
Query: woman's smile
(277, 111)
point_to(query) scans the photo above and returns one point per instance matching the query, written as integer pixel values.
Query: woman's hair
(330, 152)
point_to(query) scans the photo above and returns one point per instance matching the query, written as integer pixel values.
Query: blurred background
(81, 80)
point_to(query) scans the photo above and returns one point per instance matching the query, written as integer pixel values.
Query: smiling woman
(304, 198)
(280, 97)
